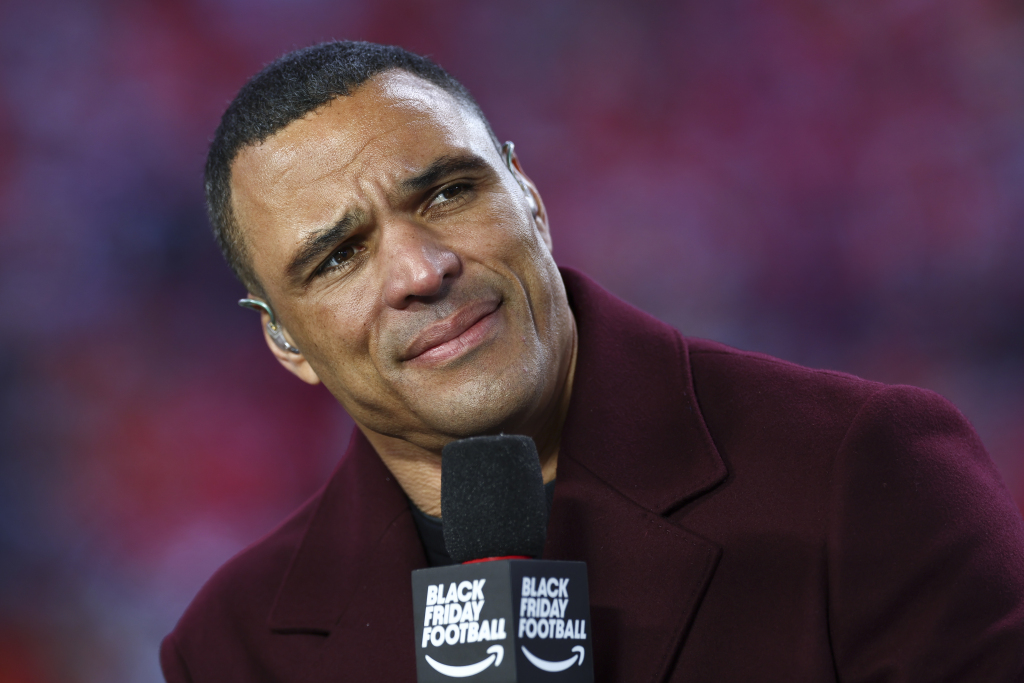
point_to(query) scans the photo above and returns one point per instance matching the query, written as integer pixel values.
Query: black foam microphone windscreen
(492, 498)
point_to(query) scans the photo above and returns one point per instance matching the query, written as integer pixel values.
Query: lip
(453, 335)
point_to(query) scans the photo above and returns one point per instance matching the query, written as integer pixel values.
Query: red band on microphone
(493, 559)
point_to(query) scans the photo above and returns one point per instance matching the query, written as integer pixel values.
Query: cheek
(507, 232)
(338, 333)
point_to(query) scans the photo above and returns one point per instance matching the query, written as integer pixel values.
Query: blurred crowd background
(840, 184)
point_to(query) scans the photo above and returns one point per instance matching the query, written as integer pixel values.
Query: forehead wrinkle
(326, 169)
(404, 95)
(356, 154)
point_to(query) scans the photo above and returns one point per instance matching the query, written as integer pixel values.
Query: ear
(294, 363)
(540, 217)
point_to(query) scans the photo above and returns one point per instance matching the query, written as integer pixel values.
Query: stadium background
(839, 184)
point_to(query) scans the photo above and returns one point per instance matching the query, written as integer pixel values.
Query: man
(742, 518)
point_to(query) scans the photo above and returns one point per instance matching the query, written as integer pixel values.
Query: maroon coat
(742, 519)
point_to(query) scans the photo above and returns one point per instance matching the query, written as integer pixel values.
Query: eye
(449, 194)
(341, 257)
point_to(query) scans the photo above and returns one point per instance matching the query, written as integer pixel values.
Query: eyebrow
(444, 167)
(317, 243)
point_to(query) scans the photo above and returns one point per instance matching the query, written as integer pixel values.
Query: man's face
(404, 261)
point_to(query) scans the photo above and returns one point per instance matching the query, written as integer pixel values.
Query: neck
(418, 470)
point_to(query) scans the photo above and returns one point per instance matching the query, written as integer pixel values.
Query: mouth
(454, 335)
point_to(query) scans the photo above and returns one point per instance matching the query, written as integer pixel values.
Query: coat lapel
(634, 448)
(350, 577)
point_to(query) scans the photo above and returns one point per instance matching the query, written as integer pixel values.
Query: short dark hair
(286, 90)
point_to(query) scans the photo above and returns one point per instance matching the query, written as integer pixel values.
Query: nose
(416, 264)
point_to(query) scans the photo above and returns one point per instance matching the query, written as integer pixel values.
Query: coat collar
(632, 394)
(634, 448)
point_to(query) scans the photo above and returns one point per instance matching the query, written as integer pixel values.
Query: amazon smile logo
(496, 652)
(554, 667)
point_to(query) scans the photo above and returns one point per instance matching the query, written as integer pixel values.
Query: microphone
(500, 616)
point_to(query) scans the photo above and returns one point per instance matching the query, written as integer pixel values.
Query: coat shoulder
(727, 363)
(728, 379)
(234, 605)
(731, 384)
(249, 581)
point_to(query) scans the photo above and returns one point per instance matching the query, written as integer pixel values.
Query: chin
(484, 408)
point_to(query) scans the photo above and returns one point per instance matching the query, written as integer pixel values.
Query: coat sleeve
(925, 549)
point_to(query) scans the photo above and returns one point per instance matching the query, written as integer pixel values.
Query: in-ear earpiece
(273, 330)
(278, 338)
(507, 150)
(534, 209)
